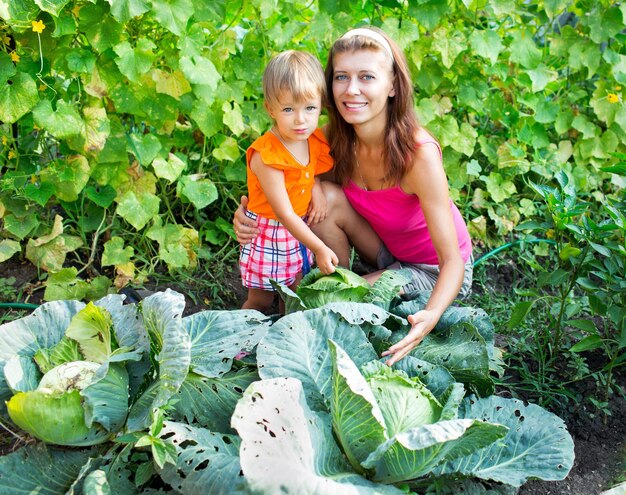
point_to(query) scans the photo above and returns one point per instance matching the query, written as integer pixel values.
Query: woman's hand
(422, 323)
(318, 209)
(246, 229)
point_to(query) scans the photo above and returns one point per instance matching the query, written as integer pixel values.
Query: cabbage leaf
(287, 447)
(537, 444)
(199, 447)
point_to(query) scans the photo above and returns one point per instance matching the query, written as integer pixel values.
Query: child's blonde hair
(296, 72)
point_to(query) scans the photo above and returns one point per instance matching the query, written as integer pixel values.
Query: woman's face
(362, 85)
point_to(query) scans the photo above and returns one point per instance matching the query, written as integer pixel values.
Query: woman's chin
(354, 117)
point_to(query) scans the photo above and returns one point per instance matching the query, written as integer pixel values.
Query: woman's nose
(353, 87)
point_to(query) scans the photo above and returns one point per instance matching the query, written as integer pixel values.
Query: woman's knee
(337, 203)
(332, 192)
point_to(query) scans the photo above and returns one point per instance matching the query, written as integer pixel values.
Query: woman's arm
(272, 182)
(427, 179)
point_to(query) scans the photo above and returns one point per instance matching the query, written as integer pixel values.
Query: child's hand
(326, 260)
(317, 207)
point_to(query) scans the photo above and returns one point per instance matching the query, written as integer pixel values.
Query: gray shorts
(423, 276)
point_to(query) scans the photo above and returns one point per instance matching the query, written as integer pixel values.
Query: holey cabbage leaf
(207, 462)
(536, 446)
(297, 344)
(211, 389)
(288, 448)
(64, 369)
(170, 354)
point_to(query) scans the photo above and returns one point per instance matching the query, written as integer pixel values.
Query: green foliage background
(125, 122)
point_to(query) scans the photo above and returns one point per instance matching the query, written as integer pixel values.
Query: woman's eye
(341, 77)
(367, 77)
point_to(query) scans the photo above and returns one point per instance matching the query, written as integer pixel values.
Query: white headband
(369, 33)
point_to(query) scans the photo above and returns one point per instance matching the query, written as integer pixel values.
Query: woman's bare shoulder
(423, 135)
(427, 167)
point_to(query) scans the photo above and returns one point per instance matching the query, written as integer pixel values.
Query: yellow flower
(612, 97)
(4, 140)
(38, 26)
(11, 154)
(15, 57)
(550, 233)
(33, 179)
(618, 88)
(6, 40)
(42, 87)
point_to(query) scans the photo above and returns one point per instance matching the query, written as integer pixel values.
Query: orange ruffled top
(299, 178)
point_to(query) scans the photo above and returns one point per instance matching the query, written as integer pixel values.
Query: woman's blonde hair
(296, 72)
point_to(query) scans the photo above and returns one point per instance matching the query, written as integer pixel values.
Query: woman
(392, 200)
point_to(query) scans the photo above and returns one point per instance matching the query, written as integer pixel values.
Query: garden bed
(599, 441)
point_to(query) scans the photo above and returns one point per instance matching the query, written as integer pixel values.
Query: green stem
(558, 336)
(94, 243)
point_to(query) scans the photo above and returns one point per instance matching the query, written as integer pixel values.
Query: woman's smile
(354, 105)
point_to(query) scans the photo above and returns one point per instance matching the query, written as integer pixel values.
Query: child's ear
(268, 109)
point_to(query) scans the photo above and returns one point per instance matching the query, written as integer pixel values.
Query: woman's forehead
(361, 60)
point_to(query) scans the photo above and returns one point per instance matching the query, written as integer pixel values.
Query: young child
(282, 165)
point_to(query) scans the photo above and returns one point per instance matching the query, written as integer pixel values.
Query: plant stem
(558, 336)
(94, 244)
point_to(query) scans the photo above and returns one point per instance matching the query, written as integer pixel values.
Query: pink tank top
(398, 219)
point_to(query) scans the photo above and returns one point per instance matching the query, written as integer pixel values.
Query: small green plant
(8, 292)
(582, 287)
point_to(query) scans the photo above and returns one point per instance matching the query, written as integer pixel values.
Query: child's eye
(287, 109)
(311, 108)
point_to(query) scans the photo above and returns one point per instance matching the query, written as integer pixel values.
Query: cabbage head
(63, 370)
(316, 289)
(78, 403)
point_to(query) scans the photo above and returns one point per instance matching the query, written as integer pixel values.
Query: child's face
(295, 120)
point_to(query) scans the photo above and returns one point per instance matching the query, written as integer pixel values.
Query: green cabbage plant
(100, 373)
(64, 370)
(392, 430)
(318, 414)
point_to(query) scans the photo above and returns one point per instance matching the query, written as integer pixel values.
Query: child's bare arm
(273, 184)
(317, 208)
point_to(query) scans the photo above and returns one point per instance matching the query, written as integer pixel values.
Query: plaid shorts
(274, 254)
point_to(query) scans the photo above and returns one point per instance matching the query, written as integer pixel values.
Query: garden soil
(600, 443)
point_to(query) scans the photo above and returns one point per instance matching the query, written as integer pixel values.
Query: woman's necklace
(279, 137)
(358, 169)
